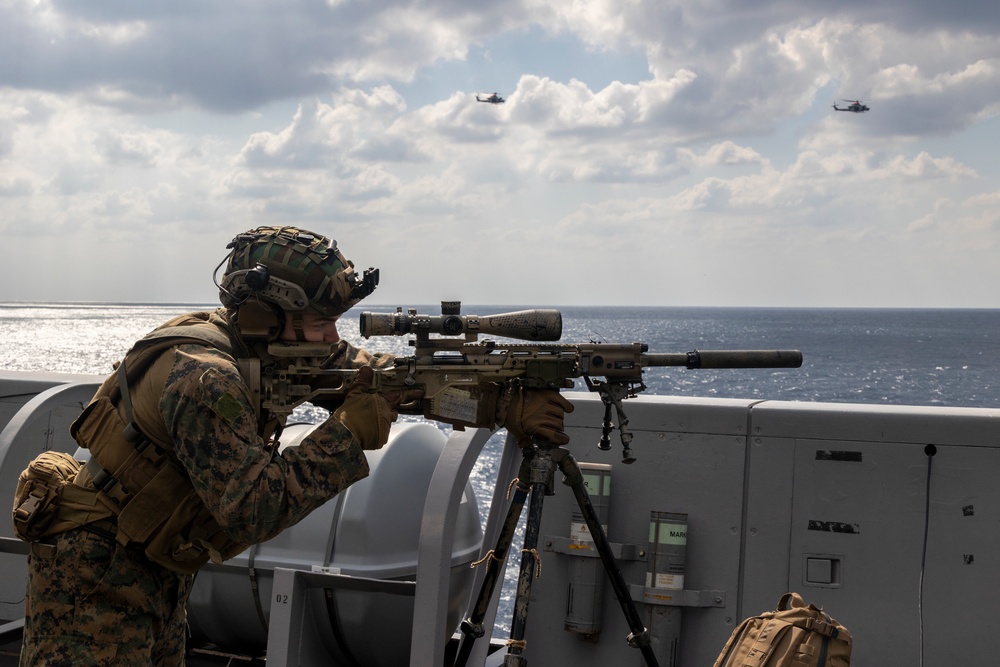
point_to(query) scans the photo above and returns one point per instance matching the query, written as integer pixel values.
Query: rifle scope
(534, 325)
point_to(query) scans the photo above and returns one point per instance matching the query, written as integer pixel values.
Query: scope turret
(533, 325)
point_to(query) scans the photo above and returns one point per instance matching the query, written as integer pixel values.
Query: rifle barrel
(726, 359)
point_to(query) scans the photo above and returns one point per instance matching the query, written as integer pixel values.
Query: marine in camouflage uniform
(94, 601)
(94, 598)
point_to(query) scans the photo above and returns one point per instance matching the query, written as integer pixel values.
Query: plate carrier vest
(142, 483)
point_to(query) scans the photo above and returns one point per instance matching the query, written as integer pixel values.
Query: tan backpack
(794, 635)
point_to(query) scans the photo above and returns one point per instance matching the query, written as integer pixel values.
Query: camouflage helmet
(294, 269)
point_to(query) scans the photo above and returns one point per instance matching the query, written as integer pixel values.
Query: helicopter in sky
(855, 106)
(492, 99)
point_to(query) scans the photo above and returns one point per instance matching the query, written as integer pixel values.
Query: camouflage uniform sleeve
(252, 492)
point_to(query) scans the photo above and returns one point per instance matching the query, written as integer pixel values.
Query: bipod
(538, 466)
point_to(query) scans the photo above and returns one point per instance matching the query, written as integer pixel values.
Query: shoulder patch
(228, 407)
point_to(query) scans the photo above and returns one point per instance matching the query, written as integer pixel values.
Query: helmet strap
(300, 334)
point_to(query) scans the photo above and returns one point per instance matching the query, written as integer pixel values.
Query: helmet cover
(294, 269)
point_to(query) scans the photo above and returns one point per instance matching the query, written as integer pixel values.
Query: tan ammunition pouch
(150, 493)
(143, 484)
(46, 501)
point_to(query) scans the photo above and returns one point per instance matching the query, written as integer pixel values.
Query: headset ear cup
(259, 320)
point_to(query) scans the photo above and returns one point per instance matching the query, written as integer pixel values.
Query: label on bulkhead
(592, 482)
(670, 533)
(579, 531)
(665, 580)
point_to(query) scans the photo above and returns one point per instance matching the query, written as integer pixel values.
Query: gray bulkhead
(829, 500)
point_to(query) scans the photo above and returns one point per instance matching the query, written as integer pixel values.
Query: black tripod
(538, 467)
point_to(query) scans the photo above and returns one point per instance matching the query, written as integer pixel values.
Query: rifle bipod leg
(639, 637)
(496, 560)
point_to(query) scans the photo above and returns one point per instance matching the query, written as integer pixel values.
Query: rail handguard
(462, 377)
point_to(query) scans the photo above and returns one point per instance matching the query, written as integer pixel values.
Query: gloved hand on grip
(527, 413)
(368, 415)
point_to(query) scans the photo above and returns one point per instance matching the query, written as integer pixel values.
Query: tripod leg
(472, 627)
(639, 638)
(529, 565)
(541, 471)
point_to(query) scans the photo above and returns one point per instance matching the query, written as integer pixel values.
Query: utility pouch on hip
(40, 490)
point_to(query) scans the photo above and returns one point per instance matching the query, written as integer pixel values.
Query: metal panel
(856, 502)
(690, 458)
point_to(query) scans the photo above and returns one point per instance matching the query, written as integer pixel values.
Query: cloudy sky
(650, 152)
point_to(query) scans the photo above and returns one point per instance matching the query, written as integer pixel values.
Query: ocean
(901, 357)
(895, 356)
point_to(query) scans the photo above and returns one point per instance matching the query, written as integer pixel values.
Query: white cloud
(176, 129)
(723, 153)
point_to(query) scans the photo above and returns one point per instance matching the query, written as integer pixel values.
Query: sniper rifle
(461, 377)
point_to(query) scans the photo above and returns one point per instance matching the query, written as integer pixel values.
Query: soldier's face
(315, 329)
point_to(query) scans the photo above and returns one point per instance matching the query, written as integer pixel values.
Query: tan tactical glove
(528, 413)
(366, 414)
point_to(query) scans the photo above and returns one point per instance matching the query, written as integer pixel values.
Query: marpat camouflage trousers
(92, 602)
